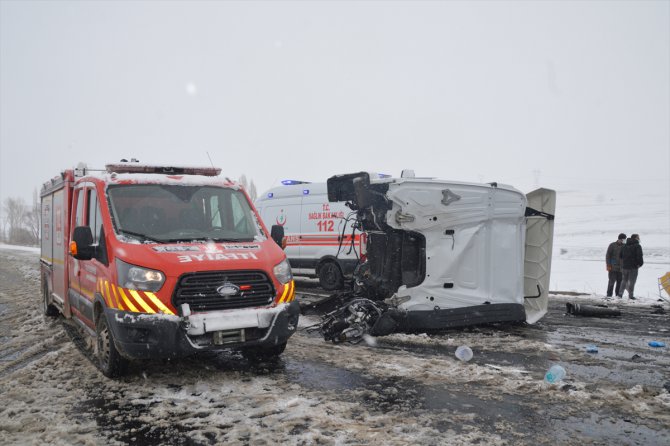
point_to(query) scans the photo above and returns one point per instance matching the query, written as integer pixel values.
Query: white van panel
(315, 229)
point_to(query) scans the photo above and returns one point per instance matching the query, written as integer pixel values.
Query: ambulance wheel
(47, 307)
(110, 361)
(264, 353)
(330, 276)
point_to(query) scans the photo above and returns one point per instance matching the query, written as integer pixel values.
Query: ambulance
(161, 261)
(321, 240)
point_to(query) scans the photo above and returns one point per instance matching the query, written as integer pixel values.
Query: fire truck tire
(330, 276)
(47, 307)
(110, 361)
(264, 353)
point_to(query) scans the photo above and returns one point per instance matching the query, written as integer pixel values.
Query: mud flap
(537, 260)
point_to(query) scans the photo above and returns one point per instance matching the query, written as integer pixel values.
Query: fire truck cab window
(159, 213)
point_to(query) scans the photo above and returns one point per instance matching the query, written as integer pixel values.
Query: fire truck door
(84, 273)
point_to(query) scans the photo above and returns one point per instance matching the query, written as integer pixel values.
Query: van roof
(294, 190)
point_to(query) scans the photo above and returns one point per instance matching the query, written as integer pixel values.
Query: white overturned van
(320, 239)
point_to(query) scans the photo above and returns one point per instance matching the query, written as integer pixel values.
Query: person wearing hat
(613, 265)
(631, 261)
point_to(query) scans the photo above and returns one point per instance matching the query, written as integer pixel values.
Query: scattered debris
(658, 309)
(464, 353)
(592, 310)
(591, 348)
(555, 374)
(656, 344)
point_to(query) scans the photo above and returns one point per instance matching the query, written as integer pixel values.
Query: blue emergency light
(270, 195)
(291, 182)
(305, 191)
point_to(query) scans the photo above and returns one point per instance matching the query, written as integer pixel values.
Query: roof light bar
(292, 182)
(168, 170)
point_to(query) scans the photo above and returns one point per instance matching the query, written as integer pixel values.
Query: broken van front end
(445, 254)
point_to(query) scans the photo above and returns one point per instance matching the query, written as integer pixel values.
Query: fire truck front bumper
(146, 336)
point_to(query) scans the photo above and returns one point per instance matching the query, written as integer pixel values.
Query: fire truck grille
(199, 290)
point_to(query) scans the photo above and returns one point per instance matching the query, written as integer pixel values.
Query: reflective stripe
(139, 300)
(110, 296)
(156, 301)
(117, 299)
(292, 292)
(126, 301)
(287, 295)
(286, 287)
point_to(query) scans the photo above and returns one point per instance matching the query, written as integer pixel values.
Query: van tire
(110, 361)
(47, 307)
(264, 353)
(330, 276)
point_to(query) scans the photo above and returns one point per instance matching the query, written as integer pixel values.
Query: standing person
(613, 264)
(631, 260)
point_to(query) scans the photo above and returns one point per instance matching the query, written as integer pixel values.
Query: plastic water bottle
(464, 353)
(656, 344)
(591, 348)
(554, 374)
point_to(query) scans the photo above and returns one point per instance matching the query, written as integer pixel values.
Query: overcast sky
(567, 93)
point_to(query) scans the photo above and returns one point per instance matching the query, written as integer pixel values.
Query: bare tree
(243, 181)
(15, 212)
(32, 220)
(252, 191)
(248, 186)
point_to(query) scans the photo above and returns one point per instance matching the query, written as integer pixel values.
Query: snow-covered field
(588, 220)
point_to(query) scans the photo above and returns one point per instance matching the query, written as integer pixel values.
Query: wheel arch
(327, 259)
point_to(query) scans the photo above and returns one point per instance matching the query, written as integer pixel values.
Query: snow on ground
(403, 389)
(409, 389)
(588, 220)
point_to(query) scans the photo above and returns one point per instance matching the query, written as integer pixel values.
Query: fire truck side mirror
(277, 234)
(81, 245)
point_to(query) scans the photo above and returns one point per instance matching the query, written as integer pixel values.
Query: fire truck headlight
(282, 271)
(138, 278)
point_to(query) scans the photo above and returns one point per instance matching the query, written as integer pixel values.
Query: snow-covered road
(408, 389)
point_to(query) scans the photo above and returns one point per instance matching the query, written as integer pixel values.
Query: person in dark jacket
(613, 265)
(631, 261)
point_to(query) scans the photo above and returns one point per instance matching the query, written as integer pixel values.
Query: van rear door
(540, 212)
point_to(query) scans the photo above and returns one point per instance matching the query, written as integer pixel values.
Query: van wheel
(110, 361)
(47, 307)
(330, 276)
(266, 353)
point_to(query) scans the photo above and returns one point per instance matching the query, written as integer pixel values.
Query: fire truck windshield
(162, 213)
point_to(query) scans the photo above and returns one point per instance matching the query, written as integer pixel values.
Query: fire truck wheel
(110, 361)
(330, 276)
(47, 307)
(264, 353)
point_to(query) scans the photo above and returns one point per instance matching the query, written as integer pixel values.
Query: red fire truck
(157, 261)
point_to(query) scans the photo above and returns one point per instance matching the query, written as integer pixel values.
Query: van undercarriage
(438, 256)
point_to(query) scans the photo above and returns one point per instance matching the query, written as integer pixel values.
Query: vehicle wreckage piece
(443, 255)
(592, 310)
